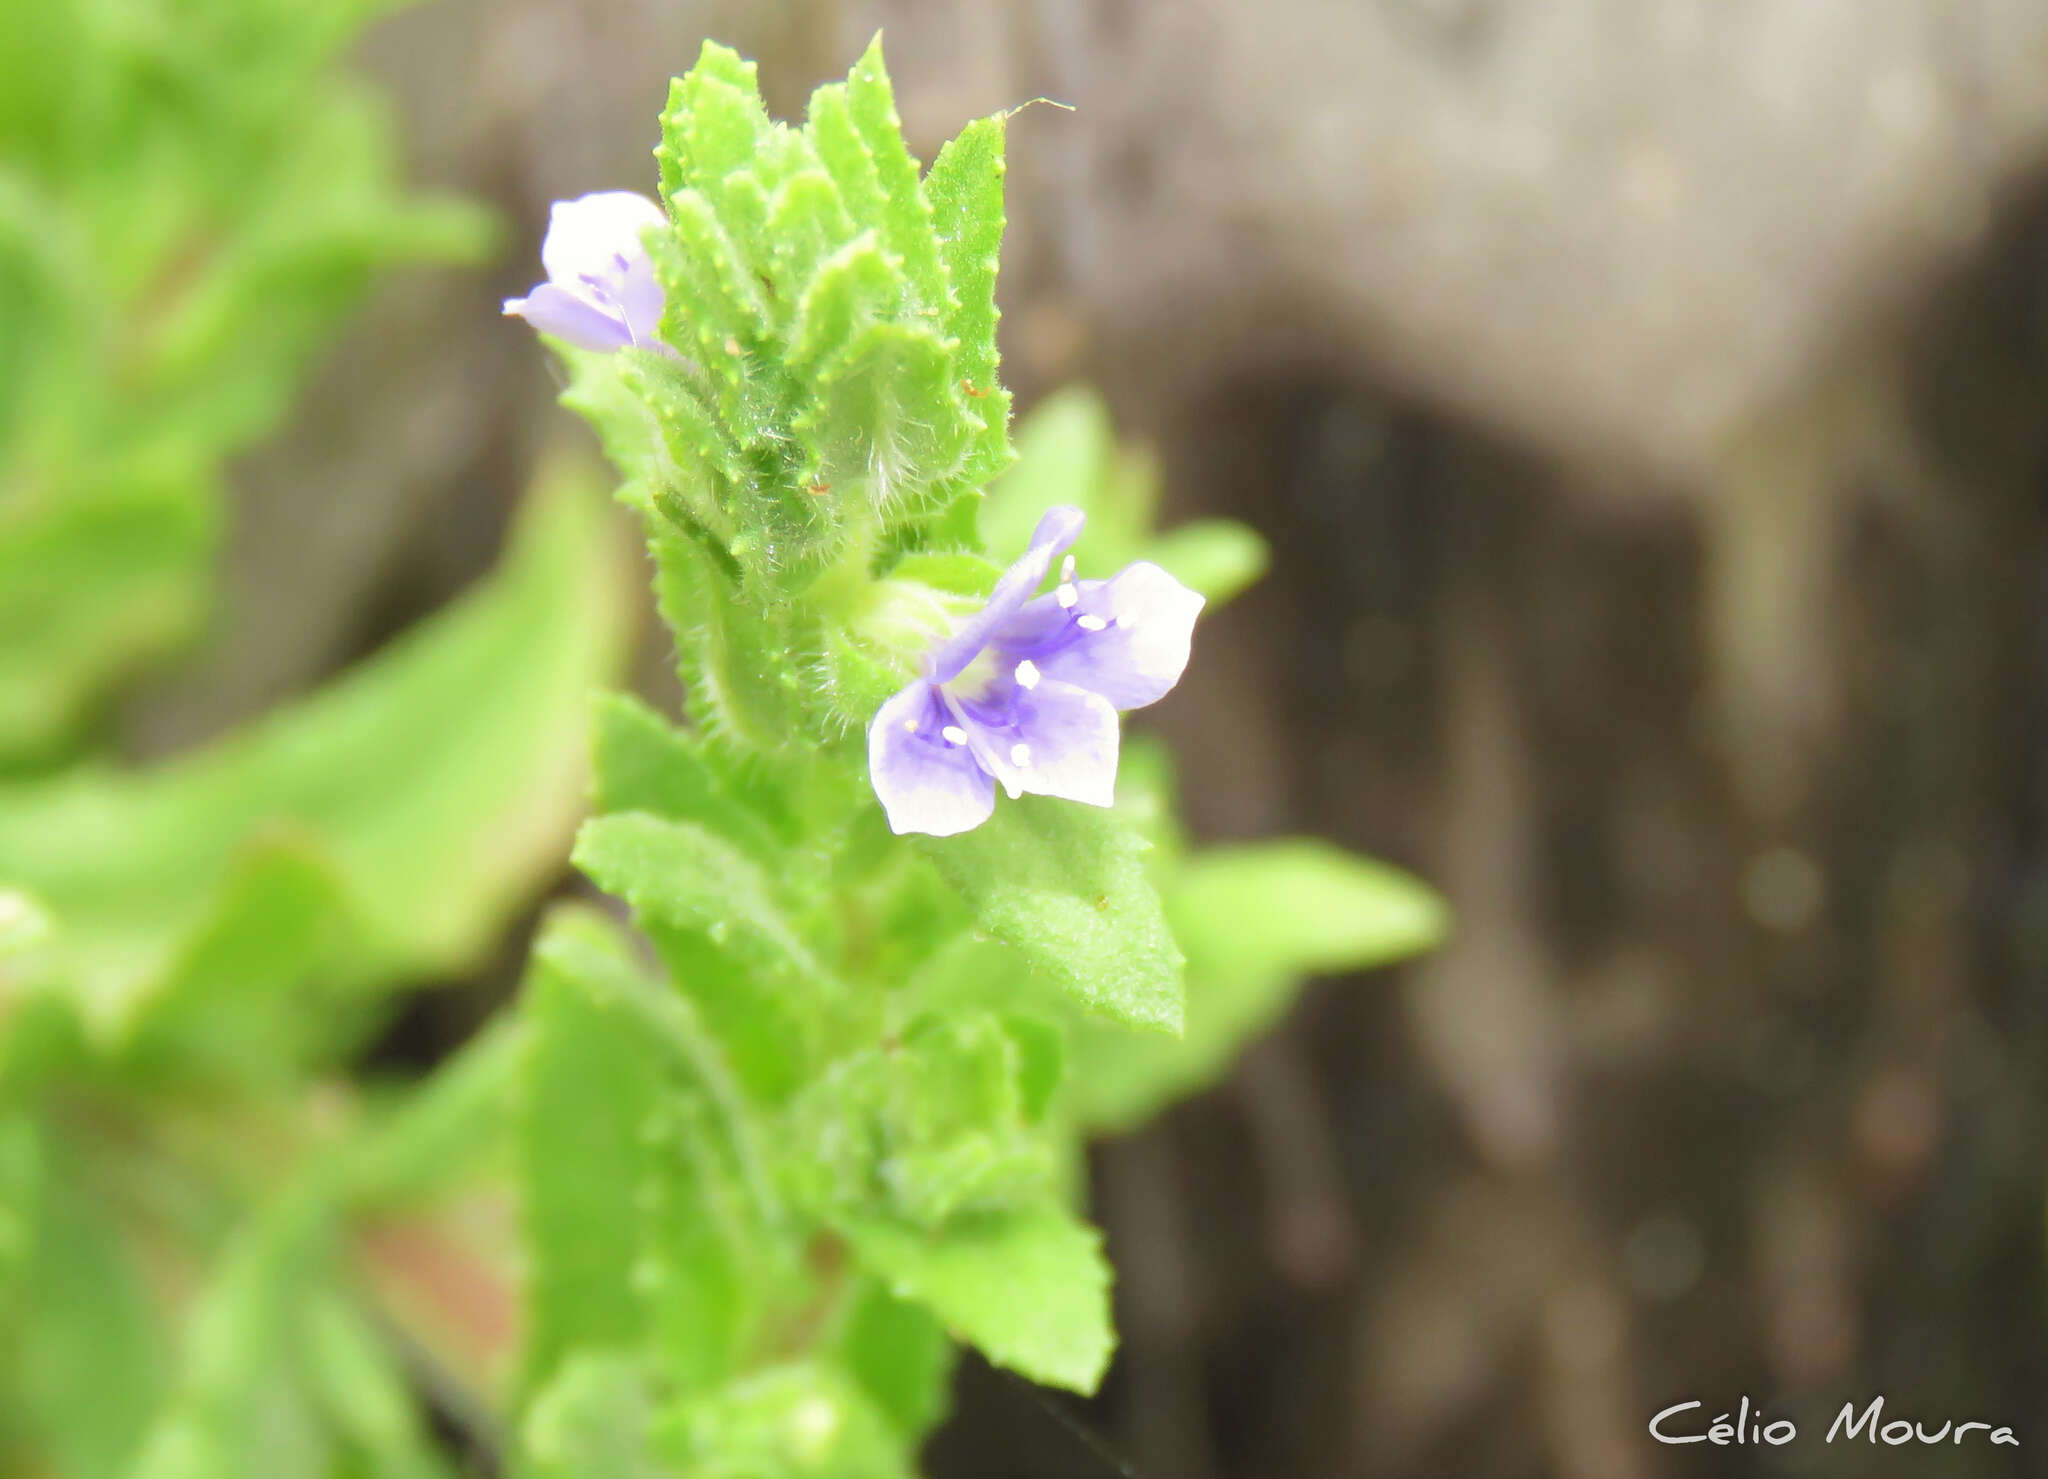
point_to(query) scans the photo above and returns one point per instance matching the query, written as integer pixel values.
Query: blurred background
(1647, 402)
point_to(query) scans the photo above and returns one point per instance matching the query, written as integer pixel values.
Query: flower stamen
(953, 734)
(1027, 674)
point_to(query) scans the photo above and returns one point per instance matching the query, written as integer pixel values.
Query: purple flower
(1026, 691)
(601, 291)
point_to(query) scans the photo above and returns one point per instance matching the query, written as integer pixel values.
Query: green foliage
(189, 199)
(191, 954)
(377, 833)
(192, 942)
(193, 1201)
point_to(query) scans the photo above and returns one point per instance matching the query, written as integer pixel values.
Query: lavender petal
(640, 299)
(557, 311)
(925, 783)
(588, 236)
(1052, 739)
(1055, 534)
(1125, 638)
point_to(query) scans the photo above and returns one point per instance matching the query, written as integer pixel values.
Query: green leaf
(25, 925)
(921, 1129)
(430, 788)
(906, 218)
(1029, 1290)
(650, 1219)
(592, 1083)
(1217, 557)
(644, 763)
(965, 187)
(241, 1408)
(714, 301)
(1066, 451)
(363, 1394)
(722, 124)
(456, 1122)
(1298, 906)
(592, 1422)
(900, 1355)
(954, 572)
(708, 904)
(84, 1351)
(742, 665)
(852, 289)
(1254, 920)
(1067, 886)
(889, 419)
(797, 1421)
(172, 257)
(282, 916)
(806, 226)
(94, 587)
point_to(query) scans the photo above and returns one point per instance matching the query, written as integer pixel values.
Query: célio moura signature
(1747, 1425)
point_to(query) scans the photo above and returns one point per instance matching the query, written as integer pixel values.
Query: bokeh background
(1647, 403)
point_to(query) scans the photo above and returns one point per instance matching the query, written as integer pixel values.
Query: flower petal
(639, 296)
(925, 783)
(1051, 740)
(597, 235)
(1055, 534)
(569, 317)
(1132, 659)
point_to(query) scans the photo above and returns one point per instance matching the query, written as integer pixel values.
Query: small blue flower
(601, 291)
(1026, 691)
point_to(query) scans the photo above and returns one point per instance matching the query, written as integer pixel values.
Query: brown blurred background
(1647, 401)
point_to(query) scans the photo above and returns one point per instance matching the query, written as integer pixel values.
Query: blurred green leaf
(592, 1422)
(1066, 450)
(900, 1355)
(365, 1397)
(1028, 1289)
(84, 1352)
(93, 587)
(240, 1408)
(1068, 454)
(1297, 906)
(378, 832)
(803, 1420)
(189, 201)
(1254, 919)
(452, 1125)
(1216, 557)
